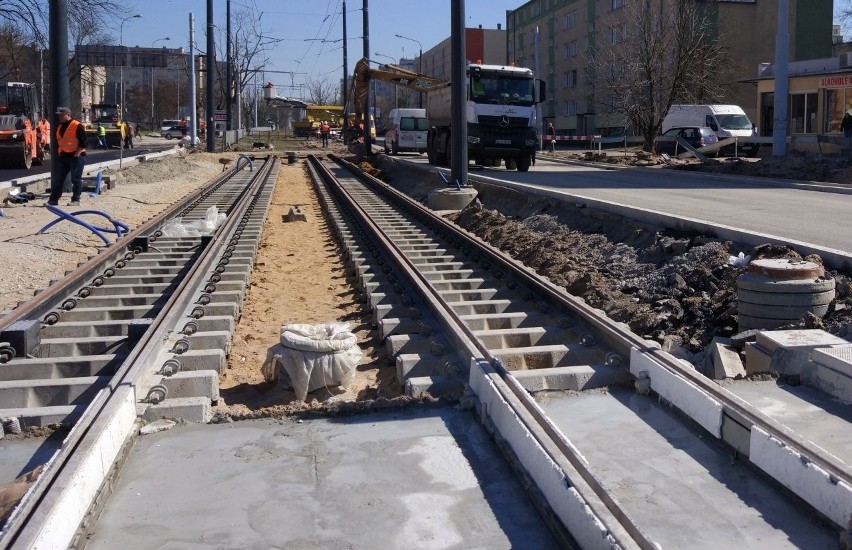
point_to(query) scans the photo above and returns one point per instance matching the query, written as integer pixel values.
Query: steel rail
(133, 365)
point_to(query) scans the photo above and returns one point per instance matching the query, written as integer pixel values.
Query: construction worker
(44, 133)
(325, 129)
(551, 136)
(128, 135)
(71, 146)
(101, 136)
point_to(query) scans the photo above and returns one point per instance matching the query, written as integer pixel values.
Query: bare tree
(653, 54)
(250, 45)
(322, 91)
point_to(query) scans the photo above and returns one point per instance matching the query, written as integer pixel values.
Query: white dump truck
(501, 117)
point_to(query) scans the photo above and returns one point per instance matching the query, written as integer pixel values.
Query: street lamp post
(152, 82)
(123, 61)
(419, 60)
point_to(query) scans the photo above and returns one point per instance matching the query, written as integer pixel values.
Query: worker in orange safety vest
(71, 149)
(325, 129)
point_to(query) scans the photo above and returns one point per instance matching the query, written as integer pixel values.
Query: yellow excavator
(389, 73)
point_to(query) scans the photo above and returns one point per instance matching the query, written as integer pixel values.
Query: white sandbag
(211, 222)
(313, 356)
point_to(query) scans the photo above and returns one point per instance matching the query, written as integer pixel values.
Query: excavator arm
(391, 73)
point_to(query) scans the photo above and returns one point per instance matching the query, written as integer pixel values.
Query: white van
(725, 120)
(407, 129)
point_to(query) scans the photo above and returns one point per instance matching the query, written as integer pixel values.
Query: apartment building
(153, 81)
(556, 35)
(481, 45)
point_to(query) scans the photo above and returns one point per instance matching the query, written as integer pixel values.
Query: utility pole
(228, 64)
(782, 57)
(368, 144)
(458, 93)
(540, 125)
(193, 102)
(58, 76)
(345, 72)
(211, 81)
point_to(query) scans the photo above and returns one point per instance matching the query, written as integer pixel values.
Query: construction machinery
(501, 117)
(107, 115)
(24, 131)
(389, 73)
(500, 110)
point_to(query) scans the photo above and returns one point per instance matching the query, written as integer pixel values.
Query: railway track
(547, 357)
(618, 443)
(140, 330)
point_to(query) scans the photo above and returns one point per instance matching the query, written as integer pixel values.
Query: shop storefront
(816, 102)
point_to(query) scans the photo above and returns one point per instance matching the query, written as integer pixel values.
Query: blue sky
(427, 21)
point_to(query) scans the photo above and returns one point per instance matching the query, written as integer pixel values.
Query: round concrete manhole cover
(786, 268)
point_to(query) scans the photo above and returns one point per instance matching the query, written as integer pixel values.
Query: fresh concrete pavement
(427, 477)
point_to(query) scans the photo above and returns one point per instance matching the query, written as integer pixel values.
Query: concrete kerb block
(758, 359)
(200, 383)
(723, 360)
(190, 409)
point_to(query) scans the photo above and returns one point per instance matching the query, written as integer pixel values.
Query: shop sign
(841, 81)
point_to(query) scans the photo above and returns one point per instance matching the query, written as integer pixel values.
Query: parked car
(696, 136)
(173, 132)
(168, 123)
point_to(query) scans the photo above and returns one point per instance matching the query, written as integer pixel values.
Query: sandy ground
(298, 278)
(31, 260)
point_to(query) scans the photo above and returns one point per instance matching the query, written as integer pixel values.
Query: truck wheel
(26, 160)
(523, 163)
(430, 155)
(510, 164)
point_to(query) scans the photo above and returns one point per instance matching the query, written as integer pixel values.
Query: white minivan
(407, 129)
(725, 120)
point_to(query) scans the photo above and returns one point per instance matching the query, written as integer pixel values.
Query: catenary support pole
(540, 125)
(782, 57)
(368, 142)
(193, 89)
(458, 92)
(210, 66)
(345, 73)
(228, 85)
(58, 74)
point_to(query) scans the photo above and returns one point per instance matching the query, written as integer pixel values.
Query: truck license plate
(503, 141)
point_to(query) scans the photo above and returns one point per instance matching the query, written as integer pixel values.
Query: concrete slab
(20, 455)
(418, 478)
(771, 340)
(838, 358)
(683, 488)
(815, 415)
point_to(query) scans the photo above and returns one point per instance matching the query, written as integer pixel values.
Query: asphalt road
(751, 204)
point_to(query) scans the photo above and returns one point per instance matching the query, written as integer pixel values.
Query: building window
(536, 9)
(616, 4)
(571, 20)
(803, 113)
(616, 34)
(571, 49)
(837, 102)
(571, 78)
(571, 107)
